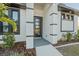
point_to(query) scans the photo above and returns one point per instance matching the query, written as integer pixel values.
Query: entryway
(38, 26)
(38, 39)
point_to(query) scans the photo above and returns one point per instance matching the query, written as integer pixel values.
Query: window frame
(67, 20)
(18, 19)
(10, 10)
(66, 16)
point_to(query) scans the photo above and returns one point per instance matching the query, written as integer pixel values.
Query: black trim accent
(10, 10)
(29, 8)
(18, 32)
(53, 13)
(53, 24)
(29, 22)
(30, 36)
(53, 34)
(16, 5)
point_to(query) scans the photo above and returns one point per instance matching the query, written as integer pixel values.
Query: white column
(29, 25)
(53, 24)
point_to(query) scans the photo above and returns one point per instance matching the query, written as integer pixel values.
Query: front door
(37, 26)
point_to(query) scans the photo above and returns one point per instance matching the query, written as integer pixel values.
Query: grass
(72, 50)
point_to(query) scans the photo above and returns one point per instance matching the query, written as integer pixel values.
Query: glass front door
(37, 26)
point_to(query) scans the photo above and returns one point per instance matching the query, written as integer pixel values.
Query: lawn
(72, 50)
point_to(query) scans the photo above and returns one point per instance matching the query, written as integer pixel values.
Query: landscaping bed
(70, 50)
(19, 49)
(65, 42)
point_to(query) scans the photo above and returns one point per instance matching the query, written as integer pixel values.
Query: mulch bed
(20, 48)
(65, 42)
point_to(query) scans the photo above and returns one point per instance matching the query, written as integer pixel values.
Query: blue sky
(73, 5)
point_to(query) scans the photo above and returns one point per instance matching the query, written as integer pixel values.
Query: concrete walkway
(47, 50)
(40, 42)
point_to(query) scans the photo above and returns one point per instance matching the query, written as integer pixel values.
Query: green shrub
(77, 35)
(63, 38)
(9, 40)
(69, 36)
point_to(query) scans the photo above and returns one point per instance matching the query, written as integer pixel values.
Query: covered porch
(39, 10)
(38, 27)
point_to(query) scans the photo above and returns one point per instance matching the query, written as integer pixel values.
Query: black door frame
(41, 18)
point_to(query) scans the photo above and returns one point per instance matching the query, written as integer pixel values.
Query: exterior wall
(29, 25)
(50, 24)
(22, 35)
(68, 26)
(26, 26)
(53, 16)
(75, 23)
(45, 24)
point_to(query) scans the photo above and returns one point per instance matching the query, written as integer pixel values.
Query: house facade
(46, 20)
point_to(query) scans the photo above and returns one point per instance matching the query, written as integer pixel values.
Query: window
(72, 17)
(3, 25)
(63, 16)
(16, 17)
(14, 14)
(67, 17)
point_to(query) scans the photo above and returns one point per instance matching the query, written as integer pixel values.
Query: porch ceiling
(39, 5)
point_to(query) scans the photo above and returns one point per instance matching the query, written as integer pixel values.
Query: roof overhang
(64, 7)
(17, 5)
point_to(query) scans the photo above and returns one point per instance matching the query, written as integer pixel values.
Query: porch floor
(38, 41)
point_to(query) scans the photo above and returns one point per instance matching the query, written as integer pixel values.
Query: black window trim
(10, 10)
(18, 18)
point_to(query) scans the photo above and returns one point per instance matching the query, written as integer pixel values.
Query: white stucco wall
(75, 23)
(22, 36)
(29, 26)
(51, 19)
(56, 29)
(45, 24)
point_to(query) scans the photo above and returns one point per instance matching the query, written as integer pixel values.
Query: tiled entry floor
(38, 41)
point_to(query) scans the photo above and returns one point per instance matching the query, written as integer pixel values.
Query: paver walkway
(47, 50)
